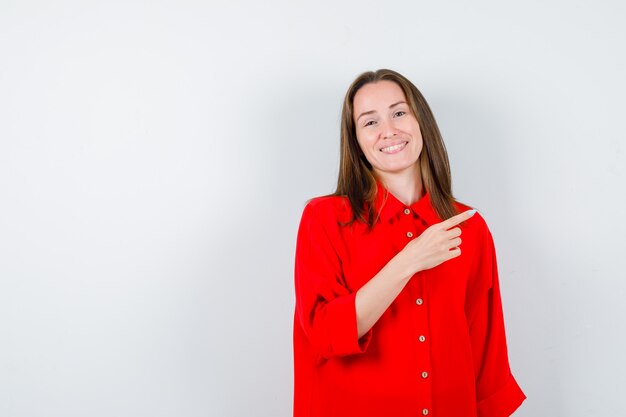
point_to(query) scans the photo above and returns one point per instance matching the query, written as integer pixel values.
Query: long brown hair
(356, 180)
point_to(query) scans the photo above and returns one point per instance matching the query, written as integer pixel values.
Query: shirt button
(424, 374)
(425, 411)
(422, 338)
(407, 211)
(419, 301)
(409, 234)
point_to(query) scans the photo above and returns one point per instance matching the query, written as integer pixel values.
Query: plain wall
(155, 158)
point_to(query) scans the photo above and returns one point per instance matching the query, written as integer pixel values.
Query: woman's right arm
(434, 246)
(325, 307)
(336, 320)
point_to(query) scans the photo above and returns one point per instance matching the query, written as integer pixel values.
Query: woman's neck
(406, 187)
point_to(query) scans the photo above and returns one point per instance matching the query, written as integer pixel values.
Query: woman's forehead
(374, 96)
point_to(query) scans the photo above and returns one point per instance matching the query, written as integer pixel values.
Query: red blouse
(438, 350)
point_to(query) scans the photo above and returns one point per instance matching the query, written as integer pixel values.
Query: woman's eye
(400, 113)
(368, 123)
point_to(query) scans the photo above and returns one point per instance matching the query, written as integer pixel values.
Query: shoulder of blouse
(330, 208)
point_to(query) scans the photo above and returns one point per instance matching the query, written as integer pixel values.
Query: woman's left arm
(497, 392)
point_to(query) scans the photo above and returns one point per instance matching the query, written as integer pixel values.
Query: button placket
(421, 335)
(422, 340)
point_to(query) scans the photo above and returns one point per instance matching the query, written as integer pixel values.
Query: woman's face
(386, 130)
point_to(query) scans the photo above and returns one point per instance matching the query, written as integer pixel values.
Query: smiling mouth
(394, 148)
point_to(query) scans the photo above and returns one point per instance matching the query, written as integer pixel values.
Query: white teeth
(393, 148)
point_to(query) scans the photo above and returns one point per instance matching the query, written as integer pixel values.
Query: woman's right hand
(437, 244)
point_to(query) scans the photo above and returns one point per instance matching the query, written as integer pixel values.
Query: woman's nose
(388, 130)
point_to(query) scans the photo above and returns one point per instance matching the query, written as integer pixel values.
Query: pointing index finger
(454, 220)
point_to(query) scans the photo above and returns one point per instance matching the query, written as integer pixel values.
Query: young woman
(398, 310)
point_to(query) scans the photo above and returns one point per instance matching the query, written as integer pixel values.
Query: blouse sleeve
(498, 394)
(325, 308)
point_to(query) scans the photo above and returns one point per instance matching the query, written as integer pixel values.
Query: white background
(155, 157)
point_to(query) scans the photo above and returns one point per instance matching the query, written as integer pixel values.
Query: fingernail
(472, 212)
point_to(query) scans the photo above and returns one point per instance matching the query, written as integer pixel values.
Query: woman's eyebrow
(374, 111)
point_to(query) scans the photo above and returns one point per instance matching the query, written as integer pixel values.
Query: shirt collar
(388, 205)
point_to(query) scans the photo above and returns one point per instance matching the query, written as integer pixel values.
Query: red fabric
(463, 352)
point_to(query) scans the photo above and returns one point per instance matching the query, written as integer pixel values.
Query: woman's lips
(395, 148)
